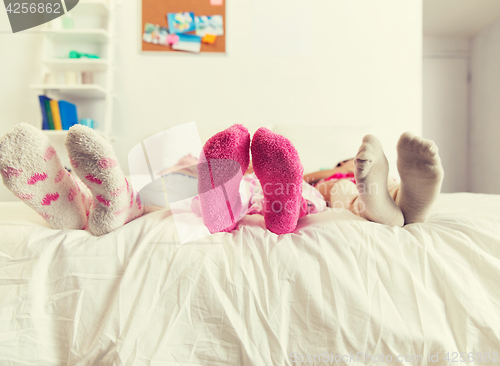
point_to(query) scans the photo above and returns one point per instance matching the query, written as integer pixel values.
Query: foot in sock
(421, 174)
(371, 173)
(31, 169)
(94, 161)
(277, 165)
(224, 160)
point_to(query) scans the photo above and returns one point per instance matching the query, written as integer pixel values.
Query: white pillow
(323, 147)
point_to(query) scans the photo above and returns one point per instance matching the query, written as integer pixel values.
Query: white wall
(446, 106)
(485, 111)
(18, 68)
(363, 68)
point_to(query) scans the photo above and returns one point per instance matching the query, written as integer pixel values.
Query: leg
(325, 189)
(277, 165)
(372, 170)
(421, 174)
(224, 160)
(339, 193)
(95, 163)
(343, 194)
(393, 187)
(31, 169)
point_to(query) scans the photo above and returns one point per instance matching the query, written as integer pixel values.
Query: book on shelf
(57, 115)
(69, 116)
(45, 120)
(49, 114)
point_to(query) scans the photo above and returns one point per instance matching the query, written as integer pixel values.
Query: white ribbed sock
(372, 170)
(421, 174)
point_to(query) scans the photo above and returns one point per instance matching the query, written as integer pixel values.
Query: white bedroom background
(485, 111)
(363, 68)
(461, 90)
(446, 106)
(19, 68)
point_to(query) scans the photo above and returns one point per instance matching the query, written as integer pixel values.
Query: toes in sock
(371, 173)
(32, 170)
(421, 174)
(224, 160)
(94, 161)
(277, 165)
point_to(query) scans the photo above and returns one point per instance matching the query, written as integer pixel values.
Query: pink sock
(224, 160)
(277, 165)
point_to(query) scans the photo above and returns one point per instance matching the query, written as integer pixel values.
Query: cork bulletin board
(155, 12)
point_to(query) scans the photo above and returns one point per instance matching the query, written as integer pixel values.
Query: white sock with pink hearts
(94, 161)
(31, 169)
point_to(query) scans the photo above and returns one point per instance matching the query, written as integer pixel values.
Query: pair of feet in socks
(32, 170)
(277, 166)
(421, 175)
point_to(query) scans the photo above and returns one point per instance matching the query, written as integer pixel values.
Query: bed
(340, 290)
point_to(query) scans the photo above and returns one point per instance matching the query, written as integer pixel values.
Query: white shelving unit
(77, 64)
(78, 91)
(92, 33)
(72, 35)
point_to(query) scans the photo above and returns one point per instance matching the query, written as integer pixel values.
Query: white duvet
(339, 288)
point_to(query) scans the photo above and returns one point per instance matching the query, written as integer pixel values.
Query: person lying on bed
(361, 184)
(32, 170)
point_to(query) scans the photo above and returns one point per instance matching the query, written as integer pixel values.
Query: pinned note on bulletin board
(184, 26)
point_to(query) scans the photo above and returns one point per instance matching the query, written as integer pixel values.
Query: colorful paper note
(209, 39)
(188, 43)
(213, 25)
(216, 2)
(180, 22)
(155, 34)
(172, 39)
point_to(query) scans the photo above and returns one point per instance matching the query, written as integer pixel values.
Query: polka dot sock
(31, 169)
(94, 162)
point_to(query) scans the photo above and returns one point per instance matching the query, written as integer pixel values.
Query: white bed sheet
(340, 284)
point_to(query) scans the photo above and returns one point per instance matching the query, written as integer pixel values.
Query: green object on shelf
(67, 22)
(75, 54)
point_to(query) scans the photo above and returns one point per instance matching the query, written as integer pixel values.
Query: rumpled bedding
(339, 286)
